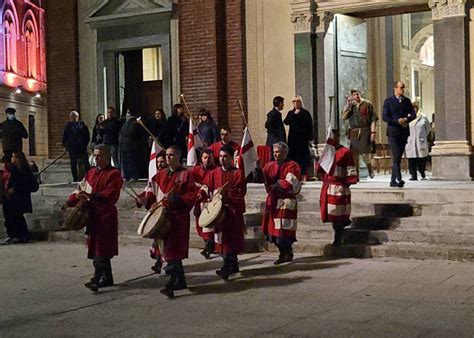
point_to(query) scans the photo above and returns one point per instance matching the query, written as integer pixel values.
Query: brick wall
(212, 58)
(62, 68)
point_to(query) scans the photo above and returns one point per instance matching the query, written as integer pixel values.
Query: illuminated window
(152, 64)
(31, 49)
(10, 37)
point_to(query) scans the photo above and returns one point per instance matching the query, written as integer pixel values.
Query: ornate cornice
(447, 8)
(323, 21)
(302, 15)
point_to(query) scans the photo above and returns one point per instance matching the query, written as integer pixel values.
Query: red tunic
(231, 233)
(216, 148)
(176, 243)
(200, 175)
(335, 199)
(104, 186)
(281, 205)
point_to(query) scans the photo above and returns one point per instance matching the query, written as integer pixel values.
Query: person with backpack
(18, 184)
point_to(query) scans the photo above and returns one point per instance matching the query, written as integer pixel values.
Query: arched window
(10, 37)
(31, 49)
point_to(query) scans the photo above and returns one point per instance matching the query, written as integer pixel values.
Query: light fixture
(38, 95)
(18, 90)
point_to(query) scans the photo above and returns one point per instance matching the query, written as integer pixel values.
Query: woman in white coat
(417, 148)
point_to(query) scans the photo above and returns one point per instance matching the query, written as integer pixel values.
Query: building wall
(23, 84)
(212, 58)
(62, 68)
(270, 60)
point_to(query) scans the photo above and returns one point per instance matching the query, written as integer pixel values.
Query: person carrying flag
(282, 179)
(337, 171)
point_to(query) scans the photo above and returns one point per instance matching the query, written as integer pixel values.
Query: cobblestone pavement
(42, 295)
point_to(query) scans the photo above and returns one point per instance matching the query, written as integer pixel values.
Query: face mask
(10, 117)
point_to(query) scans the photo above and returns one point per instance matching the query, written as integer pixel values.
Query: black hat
(10, 110)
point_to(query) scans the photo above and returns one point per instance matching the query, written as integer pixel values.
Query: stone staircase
(415, 222)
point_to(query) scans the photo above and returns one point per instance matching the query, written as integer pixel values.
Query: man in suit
(398, 112)
(274, 124)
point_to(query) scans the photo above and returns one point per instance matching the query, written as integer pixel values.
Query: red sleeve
(236, 193)
(187, 190)
(349, 160)
(294, 169)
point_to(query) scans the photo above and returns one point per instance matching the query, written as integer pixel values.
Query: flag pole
(140, 122)
(181, 96)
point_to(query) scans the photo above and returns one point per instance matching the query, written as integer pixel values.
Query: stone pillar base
(452, 161)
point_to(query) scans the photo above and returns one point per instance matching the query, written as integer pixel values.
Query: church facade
(142, 54)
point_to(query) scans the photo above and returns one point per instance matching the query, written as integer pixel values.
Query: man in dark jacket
(398, 112)
(75, 139)
(130, 137)
(274, 124)
(12, 132)
(176, 130)
(110, 134)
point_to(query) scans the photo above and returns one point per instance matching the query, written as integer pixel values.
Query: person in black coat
(158, 123)
(275, 129)
(207, 128)
(97, 137)
(18, 186)
(129, 141)
(177, 129)
(398, 112)
(75, 139)
(12, 132)
(299, 135)
(110, 134)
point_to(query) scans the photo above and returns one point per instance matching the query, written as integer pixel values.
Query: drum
(76, 218)
(212, 213)
(155, 224)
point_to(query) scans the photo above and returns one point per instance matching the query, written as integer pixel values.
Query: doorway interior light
(18, 90)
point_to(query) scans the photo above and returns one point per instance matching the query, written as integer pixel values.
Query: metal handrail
(50, 164)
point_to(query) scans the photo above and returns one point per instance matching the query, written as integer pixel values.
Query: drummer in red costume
(101, 187)
(146, 198)
(230, 234)
(226, 139)
(177, 189)
(282, 179)
(200, 174)
(335, 199)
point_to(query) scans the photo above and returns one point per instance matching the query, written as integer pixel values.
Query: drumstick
(131, 195)
(133, 191)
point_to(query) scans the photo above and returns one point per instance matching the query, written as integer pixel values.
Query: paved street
(42, 294)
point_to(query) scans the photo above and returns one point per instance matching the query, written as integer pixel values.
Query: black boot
(337, 237)
(288, 254)
(181, 279)
(281, 257)
(93, 283)
(225, 270)
(107, 278)
(208, 249)
(158, 265)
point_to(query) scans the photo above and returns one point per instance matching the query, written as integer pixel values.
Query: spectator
(177, 129)
(158, 123)
(274, 124)
(12, 132)
(17, 190)
(207, 128)
(96, 131)
(299, 135)
(110, 134)
(417, 148)
(75, 139)
(129, 140)
(398, 112)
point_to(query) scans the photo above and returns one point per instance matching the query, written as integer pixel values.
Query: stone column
(452, 153)
(310, 30)
(303, 18)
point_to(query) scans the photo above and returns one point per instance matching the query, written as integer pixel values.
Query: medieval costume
(279, 223)
(335, 199)
(103, 187)
(200, 174)
(216, 147)
(229, 234)
(178, 191)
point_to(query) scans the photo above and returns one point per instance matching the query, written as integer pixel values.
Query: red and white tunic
(280, 218)
(335, 200)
